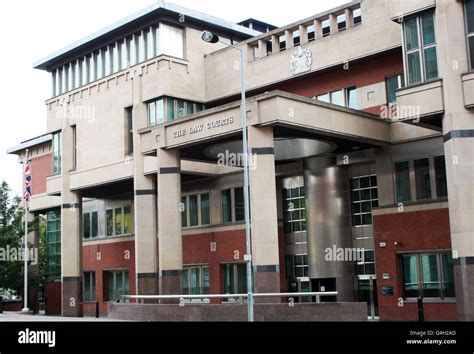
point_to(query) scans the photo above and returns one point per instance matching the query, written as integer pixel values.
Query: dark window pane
(367, 219)
(373, 181)
(365, 182)
(87, 225)
(355, 183)
(181, 111)
(185, 280)
(471, 51)
(355, 208)
(410, 275)
(429, 265)
(226, 206)
(374, 193)
(289, 266)
(193, 211)
(428, 29)
(118, 221)
(239, 204)
(431, 63)
(422, 178)
(184, 221)
(205, 214)
(110, 222)
(448, 275)
(170, 113)
(470, 16)
(127, 220)
(365, 194)
(402, 181)
(440, 171)
(411, 34)
(355, 196)
(206, 284)
(414, 68)
(95, 225)
(352, 98)
(366, 207)
(356, 220)
(392, 86)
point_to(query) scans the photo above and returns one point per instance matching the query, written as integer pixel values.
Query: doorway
(367, 292)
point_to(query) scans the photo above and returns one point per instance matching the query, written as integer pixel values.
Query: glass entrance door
(367, 292)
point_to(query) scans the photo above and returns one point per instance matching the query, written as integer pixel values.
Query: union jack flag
(27, 181)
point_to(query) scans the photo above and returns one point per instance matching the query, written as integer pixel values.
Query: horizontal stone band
(71, 206)
(169, 170)
(468, 133)
(171, 273)
(263, 151)
(141, 192)
(464, 261)
(267, 268)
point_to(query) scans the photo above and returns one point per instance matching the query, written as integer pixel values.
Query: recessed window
(364, 197)
(235, 279)
(196, 280)
(402, 181)
(129, 130)
(357, 14)
(117, 284)
(53, 243)
(326, 28)
(119, 221)
(428, 275)
(420, 48)
(341, 22)
(296, 266)
(89, 287)
(344, 97)
(470, 30)
(422, 179)
(57, 153)
(440, 176)
(294, 210)
(232, 205)
(195, 210)
(91, 225)
(171, 108)
(393, 83)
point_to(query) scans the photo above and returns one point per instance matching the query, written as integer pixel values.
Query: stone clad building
(361, 134)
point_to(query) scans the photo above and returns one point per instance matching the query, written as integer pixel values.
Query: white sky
(34, 29)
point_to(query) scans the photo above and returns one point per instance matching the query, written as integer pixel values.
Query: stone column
(169, 222)
(289, 39)
(333, 23)
(263, 206)
(71, 232)
(327, 222)
(459, 149)
(146, 241)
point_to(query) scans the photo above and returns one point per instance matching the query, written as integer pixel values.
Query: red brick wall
(40, 169)
(112, 258)
(417, 231)
(52, 293)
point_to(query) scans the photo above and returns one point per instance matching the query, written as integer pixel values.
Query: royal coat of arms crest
(301, 61)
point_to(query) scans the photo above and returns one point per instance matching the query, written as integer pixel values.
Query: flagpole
(25, 292)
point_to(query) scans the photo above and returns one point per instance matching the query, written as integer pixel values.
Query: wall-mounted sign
(387, 290)
(198, 128)
(383, 244)
(386, 276)
(301, 61)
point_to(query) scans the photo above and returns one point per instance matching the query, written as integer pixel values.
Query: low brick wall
(12, 306)
(341, 311)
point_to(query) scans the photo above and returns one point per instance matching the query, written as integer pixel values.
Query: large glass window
(470, 30)
(232, 205)
(402, 181)
(235, 279)
(171, 108)
(364, 197)
(294, 210)
(422, 179)
(296, 266)
(345, 97)
(196, 280)
(117, 284)
(226, 206)
(420, 48)
(393, 83)
(89, 286)
(428, 275)
(53, 243)
(119, 221)
(195, 210)
(91, 225)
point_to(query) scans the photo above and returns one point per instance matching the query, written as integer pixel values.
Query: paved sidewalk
(15, 317)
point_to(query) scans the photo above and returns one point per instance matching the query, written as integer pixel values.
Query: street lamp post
(210, 37)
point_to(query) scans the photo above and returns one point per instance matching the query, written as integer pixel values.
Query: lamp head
(209, 37)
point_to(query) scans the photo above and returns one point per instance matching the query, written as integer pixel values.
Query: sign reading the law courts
(197, 128)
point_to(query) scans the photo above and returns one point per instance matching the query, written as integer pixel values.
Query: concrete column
(146, 241)
(333, 23)
(275, 44)
(289, 39)
(327, 222)
(318, 29)
(349, 18)
(459, 149)
(262, 48)
(303, 34)
(169, 222)
(71, 233)
(263, 206)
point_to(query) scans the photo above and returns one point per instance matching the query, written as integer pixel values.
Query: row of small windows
(166, 109)
(118, 222)
(135, 49)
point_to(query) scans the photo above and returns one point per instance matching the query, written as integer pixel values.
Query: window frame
(420, 49)
(187, 210)
(91, 295)
(401, 83)
(233, 207)
(419, 272)
(114, 208)
(302, 221)
(202, 290)
(371, 201)
(115, 272)
(470, 51)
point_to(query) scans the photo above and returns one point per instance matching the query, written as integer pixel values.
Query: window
(337, 97)
(53, 243)
(402, 181)
(422, 178)
(235, 279)
(57, 153)
(420, 48)
(232, 205)
(470, 30)
(150, 45)
(117, 284)
(296, 266)
(90, 225)
(345, 97)
(311, 34)
(294, 210)
(440, 176)
(171, 41)
(196, 280)
(89, 286)
(326, 28)
(426, 177)
(74, 147)
(428, 275)
(341, 23)
(119, 221)
(364, 197)
(367, 265)
(196, 210)
(393, 83)
(171, 108)
(351, 97)
(129, 130)
(357, 14)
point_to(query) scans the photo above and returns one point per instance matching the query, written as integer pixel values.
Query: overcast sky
(33, 29)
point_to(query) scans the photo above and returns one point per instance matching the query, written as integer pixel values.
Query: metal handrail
(228, 296)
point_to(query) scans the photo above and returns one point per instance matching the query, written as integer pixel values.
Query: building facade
(361, 159)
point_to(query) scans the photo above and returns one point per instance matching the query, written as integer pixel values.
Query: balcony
(53, 185)
(468, 88)
(421, 104)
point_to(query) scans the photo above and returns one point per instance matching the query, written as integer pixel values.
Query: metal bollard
(97, 312)
(1, 304)
(421, 312)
